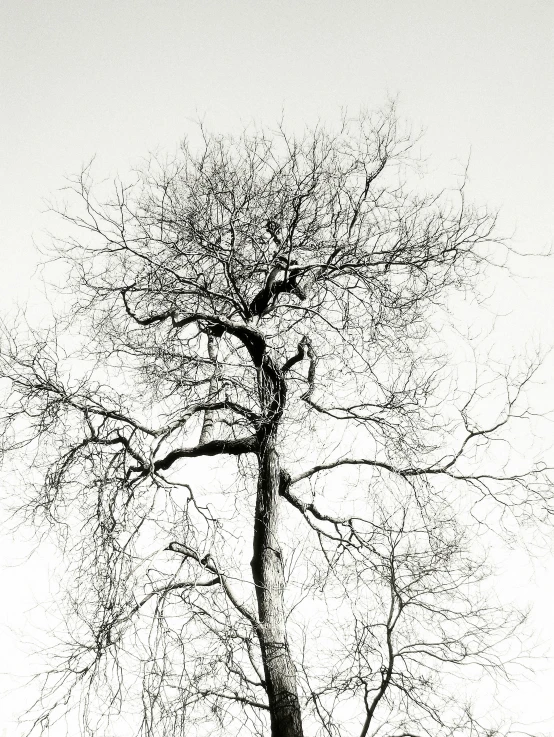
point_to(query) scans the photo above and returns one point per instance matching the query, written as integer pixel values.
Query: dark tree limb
(213, 448)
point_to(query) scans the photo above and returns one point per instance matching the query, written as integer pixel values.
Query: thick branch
(298, 356)
(252, 339)
(213, 448)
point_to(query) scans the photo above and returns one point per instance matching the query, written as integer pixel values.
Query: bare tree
(263, 314)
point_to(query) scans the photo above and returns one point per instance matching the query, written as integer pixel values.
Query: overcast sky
(120, 78)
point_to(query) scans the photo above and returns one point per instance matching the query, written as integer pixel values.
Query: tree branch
(208, 563)
(252, 339)
(213, 448)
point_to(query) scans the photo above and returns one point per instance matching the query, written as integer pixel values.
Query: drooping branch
(208, 563)
(309, 507)
(163, 590)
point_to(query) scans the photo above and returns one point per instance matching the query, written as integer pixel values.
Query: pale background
(120, 78)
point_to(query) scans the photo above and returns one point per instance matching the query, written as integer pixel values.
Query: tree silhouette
(260, 460)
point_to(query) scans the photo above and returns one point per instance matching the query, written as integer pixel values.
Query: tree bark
(268, 574)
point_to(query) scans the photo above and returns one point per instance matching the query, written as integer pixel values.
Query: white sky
(120, 78)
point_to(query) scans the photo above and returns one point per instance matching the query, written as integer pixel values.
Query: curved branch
(208, 563)
(298, 356)
(252, 339)
(358, 462)
(213, 448)
(171, 587)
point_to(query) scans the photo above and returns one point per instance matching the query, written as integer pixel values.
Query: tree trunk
(267, 570)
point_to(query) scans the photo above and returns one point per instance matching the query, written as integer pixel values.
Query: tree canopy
(266, 470)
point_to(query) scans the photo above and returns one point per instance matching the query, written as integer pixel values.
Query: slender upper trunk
(267, 570)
